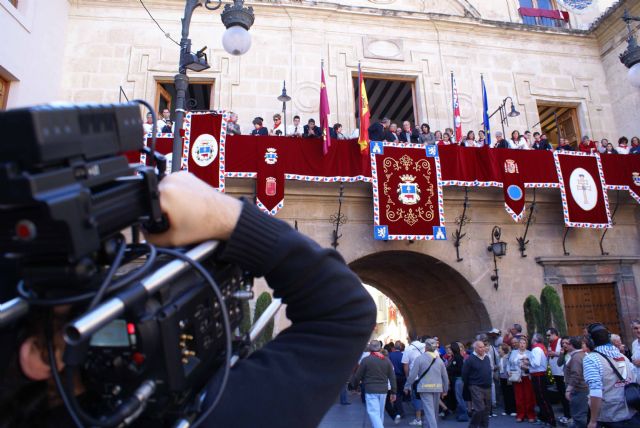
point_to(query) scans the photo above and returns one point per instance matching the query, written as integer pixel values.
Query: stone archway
(433, 297)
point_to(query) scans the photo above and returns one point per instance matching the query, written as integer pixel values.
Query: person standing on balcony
(587, 146)
(377, 129)
(232, 125)
(408, 135)
(426, 136)
(623, 146)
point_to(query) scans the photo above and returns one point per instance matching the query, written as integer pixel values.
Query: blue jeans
(417, 403)
(579, 406)
(375, 409)
(344, 398)
(461, 408)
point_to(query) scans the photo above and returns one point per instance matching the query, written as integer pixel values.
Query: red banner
(512, 185)
(582, 186)
(204, 146)
(407, 197)
(270, 175)
(164, 146)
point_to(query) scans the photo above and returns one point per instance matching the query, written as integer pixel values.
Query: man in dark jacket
(408, 135)
(376, 374)
(332, 315)
(476, 375)
(377, 130)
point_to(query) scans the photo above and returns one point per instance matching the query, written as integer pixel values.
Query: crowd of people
(385, 130)
(425, 380)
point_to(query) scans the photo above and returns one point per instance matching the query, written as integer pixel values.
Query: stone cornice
(587, 260)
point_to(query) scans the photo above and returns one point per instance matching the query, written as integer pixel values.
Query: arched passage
(432, 296)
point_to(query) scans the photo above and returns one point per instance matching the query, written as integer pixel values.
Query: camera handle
(259, 325)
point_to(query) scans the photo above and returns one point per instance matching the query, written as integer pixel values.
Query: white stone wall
(116, 44)
(32, 50)
(624, 98)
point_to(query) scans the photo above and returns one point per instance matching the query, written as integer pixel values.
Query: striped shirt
(592, 365)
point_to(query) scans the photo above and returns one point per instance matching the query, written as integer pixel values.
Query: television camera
(150, 326)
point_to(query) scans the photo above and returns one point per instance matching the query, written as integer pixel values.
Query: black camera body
(67, 191)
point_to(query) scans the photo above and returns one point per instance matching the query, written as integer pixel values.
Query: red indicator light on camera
(131, 328)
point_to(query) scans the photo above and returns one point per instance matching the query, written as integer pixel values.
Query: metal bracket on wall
(523, 241)
(338, 219)
(564, 248)
(461, 221)
(602, 251)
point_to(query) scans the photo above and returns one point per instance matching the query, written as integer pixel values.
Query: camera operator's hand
(196, 211)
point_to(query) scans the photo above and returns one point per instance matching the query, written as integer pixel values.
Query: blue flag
(485, 112)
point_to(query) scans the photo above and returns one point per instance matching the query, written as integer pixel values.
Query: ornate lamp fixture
(499, 249)
(285, 99)
(236, 40)
(631, 57)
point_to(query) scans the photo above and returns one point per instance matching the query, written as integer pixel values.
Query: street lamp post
(631, 57)
(236, 40)
(504, 116)
(285, 99)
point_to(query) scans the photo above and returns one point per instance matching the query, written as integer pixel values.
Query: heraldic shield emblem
(204, 150)
(636, 178)
(271, 156)
(408, 190)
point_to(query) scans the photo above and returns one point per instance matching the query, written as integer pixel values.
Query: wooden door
(163, 98)
(588, 303)
(569, 126)
(4, 89)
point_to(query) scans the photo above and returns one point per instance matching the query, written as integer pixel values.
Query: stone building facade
(113, 45)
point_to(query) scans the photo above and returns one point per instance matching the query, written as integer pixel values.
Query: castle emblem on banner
(270, 186)
(636, 178)
(511, 167)
(408, 190)
(271, 156)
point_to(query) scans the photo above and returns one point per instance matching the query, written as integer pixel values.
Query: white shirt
(538, 361)
(622, 150)
(280, 128)
(295, 130)
(523, 144)
(553, 361)
(148, 127)
(412, 352)
(161, 123)
(635, 355)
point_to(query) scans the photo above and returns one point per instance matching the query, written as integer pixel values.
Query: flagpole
(453, 109)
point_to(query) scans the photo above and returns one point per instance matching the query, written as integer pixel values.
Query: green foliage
(263, 302)
(245, 324)
(552, 312)
(533, 315)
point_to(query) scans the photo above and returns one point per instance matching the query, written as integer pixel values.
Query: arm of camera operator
(296, 376)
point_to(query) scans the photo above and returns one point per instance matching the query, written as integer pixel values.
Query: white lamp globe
(634, 75)
(236, 40)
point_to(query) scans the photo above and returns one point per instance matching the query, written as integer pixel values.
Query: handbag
(414, 385)
(631, 390)
(515, 377)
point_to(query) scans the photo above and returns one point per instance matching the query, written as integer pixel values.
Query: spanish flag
(365, 116)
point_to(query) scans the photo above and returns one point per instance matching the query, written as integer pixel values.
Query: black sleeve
(298, 375)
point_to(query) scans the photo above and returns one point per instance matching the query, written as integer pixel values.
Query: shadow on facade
(433, 297)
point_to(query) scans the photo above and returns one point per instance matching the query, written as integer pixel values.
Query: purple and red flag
(324, 114)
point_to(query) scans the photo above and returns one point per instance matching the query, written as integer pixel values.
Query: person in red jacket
(587, 146)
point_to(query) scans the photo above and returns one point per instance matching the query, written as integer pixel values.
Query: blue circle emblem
(514, 192)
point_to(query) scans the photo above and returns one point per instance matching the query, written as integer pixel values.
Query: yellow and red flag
(365, 115)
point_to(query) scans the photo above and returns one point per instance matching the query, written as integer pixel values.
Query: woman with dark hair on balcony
(635, 146)
(446, 140)
(623, 146)
(610, 150)
(470, 141)
(482, 140)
